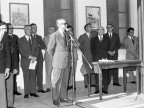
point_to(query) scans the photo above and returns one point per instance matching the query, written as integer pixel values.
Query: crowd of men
(60, 59)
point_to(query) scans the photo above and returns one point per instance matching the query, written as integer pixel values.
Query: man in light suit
(99, 50)
(131, 45)
(58, 50)
(48, 59)
(39, 69)
(113, 53)
(84, 41)
(29, 51)
(5, 62)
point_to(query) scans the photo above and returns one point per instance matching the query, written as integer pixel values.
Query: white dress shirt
(28, 37)
(88, 34)
(100, 37)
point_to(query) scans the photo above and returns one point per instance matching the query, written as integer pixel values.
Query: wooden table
(98, 66)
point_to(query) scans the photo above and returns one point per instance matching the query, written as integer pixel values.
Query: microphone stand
(73, 43)
(76, 43)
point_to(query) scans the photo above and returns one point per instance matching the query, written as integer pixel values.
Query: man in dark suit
(39, 69)
(13, 39)
(29, 51)
(113, 52)
(5, 62)
(99, 50)
(84, 41)
(58, 50)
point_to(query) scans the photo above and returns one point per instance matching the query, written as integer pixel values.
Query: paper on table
(32, 65)
(105, 60)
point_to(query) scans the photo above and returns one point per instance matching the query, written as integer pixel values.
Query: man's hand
(111, 53)
(6, 73)
(33, 58)
(15, 71)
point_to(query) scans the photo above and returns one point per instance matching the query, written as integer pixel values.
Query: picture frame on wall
(93, 16)
(19, 14)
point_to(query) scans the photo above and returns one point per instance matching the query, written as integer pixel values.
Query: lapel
(59, 35)
(25, 39)
(112, 34)
(89, 38)
(131, 43)
(26, 42)
(129, 40)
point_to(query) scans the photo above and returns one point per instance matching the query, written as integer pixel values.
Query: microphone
(69, 33)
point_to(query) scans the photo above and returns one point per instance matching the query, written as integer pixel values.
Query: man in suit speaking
(58, 50)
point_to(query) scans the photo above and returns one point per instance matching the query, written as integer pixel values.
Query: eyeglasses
(63, 23)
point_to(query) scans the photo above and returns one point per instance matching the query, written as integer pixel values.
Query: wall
(80, 13)
(80, 21)
(133, 16)
(35, 16)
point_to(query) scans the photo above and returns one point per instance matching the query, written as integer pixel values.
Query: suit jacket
(114, 44)
(84, 41)
(58, 50)
(41, 47)
(5, 60)
(13, 43)
(99, 50)
(26, 51)
(47, 57)
(132, 49)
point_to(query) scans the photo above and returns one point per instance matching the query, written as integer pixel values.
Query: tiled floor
(115, 99)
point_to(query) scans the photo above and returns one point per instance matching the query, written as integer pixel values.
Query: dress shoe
(26, 96)
(17, 93)
(116, 84)
(71, 87)
(34, 95)
(48, 90)
(65, 100)
(96, 92)
(105, 92)
(133, 82)
(93, 85)
(11, 107)
(42, 91)
(55, 102)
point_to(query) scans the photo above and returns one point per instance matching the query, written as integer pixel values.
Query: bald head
(100, 30)
(61, 23)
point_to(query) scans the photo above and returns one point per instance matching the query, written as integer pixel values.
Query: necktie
(64, 36)
(110, 35)
(30, 44)
(132, 40)
(101, 39)
(34, 36)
